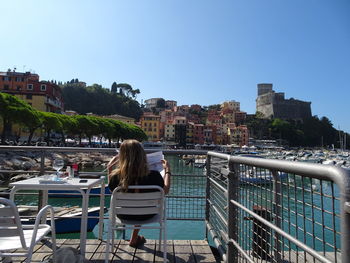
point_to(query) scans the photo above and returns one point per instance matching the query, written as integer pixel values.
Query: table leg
(84, 214)
(102, 205)
(44, 201)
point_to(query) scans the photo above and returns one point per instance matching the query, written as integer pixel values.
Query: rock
(16, 164)
(21, 177)
(27, 165)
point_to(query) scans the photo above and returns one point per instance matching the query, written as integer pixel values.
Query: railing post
(232, 215)
(207, 195)
(345, 218)
(277, 213)
(41, 172)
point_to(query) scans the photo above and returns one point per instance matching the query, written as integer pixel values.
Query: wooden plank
(145, 254)
(202, 251)
(92, 246)
(158, 256)
(183, 251)
(99, 255)
(44, 251)
(124, 253)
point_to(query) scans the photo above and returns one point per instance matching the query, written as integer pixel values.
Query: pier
(179, 251)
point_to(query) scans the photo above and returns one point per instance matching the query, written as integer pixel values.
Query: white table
(75, 184)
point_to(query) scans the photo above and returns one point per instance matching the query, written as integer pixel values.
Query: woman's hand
(112, 163)
(166, 176)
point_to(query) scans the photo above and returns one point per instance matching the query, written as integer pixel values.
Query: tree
(13, 110)
(51, 121)
(114, 87)
(160, 104)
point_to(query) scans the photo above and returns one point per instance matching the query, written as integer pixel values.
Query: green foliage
(311, 132)
(101, 101)
(161, 104)
(14, 110)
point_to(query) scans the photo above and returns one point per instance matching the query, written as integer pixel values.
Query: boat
(69, 220)
(252, 176)
(94, 192)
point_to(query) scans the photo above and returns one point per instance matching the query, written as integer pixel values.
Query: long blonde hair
(132, 164)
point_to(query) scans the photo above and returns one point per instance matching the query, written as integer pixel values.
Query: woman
(132, 169)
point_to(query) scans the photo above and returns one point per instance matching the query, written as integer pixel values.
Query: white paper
(154, 161)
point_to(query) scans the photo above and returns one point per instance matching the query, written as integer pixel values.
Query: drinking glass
(57, 165)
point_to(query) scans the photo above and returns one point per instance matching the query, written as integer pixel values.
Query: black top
(153, 178)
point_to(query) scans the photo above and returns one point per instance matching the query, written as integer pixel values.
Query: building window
(43, 87)
(29, 96)
(29, 86)
(5, 78)
(19, 87)
(6, 87)
(18, 79)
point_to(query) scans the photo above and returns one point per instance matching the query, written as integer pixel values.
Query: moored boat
(68, 219)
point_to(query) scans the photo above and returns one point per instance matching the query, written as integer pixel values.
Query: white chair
(137, 203)
(14, 235)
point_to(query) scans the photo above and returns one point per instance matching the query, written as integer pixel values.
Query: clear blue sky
(196, 52)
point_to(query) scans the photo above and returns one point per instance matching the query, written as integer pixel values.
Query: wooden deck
(179, 251)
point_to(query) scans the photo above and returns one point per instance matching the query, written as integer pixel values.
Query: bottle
(70, 172)
(75, 167)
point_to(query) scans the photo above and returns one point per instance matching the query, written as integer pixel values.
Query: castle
(273, 104)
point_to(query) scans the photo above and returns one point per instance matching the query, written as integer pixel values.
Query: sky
(195, 52)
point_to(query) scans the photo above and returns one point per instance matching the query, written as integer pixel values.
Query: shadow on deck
(179, 251)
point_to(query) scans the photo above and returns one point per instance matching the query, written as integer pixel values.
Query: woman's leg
(134, 237)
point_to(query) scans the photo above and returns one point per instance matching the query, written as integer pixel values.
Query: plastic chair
(137, 203)
(14, 235)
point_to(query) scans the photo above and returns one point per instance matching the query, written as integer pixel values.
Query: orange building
(41, 95)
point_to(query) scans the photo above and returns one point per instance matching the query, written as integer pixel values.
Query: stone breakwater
(24, 162)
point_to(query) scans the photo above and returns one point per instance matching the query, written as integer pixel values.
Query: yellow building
(169, 132)
(150, 124)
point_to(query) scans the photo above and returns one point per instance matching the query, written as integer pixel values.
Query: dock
(179, 251)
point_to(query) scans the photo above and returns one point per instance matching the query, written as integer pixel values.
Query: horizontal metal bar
(223, 189)
(217, 243)
(222, 218)
(246, 256)
(281, 232)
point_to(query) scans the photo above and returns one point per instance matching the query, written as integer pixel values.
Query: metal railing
(278, 211)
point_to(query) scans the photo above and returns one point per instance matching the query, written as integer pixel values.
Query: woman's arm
(166, 176)
(110, 166)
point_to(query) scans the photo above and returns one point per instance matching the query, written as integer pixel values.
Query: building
(239, 135)
(198, 134)
(170, 104)
(150, 124)
(274, 105)
(232, 105)
(41, 95)
(169, 132)
(152, 103)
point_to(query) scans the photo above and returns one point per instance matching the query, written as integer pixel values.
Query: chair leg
(53, 241)
(109, 234)
(160, 238)
(164, 245)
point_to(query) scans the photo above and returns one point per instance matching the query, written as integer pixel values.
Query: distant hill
(98, 100)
